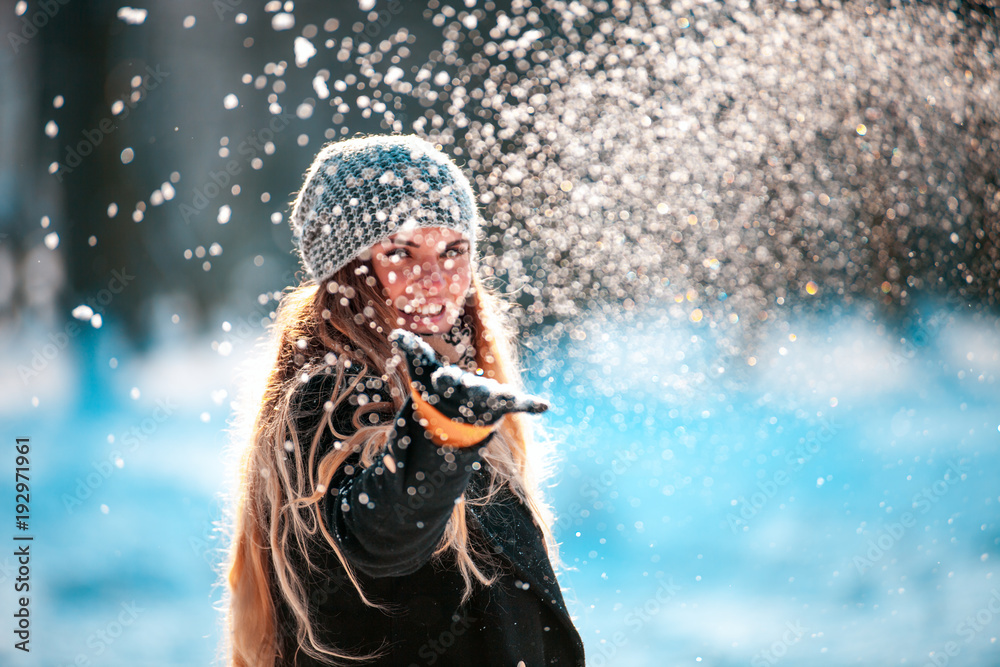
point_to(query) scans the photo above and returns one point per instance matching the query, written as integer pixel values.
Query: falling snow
(698, 163)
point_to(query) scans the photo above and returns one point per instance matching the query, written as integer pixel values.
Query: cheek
(393, 280)
(459, 283)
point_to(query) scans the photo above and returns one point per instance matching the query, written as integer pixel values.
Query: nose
(431, 276)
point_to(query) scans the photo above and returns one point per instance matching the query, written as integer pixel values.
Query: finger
(531, 404)
(517, 402)
(419, 355)
(471, 398)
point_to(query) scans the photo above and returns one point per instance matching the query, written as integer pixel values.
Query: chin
(427, 326)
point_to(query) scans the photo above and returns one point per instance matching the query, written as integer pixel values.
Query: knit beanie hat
(359, 192)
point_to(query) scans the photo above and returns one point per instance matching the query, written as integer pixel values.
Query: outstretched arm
(388, 518)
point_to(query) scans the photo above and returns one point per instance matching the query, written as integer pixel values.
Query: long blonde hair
(275, 513)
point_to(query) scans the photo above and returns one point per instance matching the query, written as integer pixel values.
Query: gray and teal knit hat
(359, 192)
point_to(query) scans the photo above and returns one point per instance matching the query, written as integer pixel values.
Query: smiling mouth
(425, 310)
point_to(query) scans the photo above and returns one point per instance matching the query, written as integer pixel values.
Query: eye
(397, 254)
(452, 253)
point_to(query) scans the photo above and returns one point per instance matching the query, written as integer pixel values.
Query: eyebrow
(411, 244)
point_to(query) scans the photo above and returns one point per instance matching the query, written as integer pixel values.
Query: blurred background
(753, 250)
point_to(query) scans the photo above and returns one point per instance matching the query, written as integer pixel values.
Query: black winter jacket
(388, 524)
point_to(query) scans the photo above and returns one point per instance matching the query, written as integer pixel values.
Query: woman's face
(426, 273)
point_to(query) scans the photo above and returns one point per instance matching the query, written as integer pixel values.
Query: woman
(386, 511)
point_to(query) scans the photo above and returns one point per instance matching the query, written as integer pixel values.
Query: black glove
(457, 394)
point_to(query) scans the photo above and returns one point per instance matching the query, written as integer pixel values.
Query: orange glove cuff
(445, 431)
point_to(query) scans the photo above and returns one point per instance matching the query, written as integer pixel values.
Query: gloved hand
(458, 395)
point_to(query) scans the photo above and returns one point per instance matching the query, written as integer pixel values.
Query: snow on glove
(461, 408)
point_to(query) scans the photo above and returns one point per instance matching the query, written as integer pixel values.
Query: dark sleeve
(389, 517)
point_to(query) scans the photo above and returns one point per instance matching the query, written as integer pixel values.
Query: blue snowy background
(743, 527)
(754, 247)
